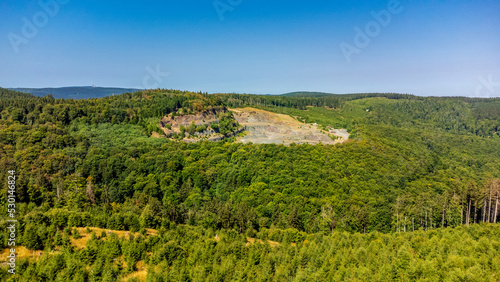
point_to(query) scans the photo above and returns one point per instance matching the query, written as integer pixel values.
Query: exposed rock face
(207, 124)
(202, 118)
(217, 137)
(264, 127)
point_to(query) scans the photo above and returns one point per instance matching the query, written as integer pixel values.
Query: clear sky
(426, 47)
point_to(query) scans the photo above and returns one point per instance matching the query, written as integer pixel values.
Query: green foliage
(31, 239)
(192, 253)
(413, 163)
(58, 239)
(76, 234)
(169, 253)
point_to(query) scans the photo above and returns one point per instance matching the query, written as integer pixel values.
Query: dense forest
(413, 195)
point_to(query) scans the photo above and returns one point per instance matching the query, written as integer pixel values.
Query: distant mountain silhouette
(307, 94)
(76, 92)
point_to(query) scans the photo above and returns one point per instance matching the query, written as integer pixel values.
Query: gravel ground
(265, 127)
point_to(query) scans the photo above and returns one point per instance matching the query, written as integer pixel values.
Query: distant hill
(76, 92)
(307, 94)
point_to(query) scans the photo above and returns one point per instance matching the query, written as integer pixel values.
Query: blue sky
(427, 47)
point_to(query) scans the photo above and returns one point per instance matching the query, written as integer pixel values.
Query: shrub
(31, 240)
(76, 234)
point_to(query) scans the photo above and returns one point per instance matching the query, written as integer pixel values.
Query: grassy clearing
(140, 274)
(79, 244)
(21, 253)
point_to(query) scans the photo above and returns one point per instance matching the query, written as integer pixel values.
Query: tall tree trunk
(467, 216)
(449, 216)
(442, 222)
(90, 191)
(58, 192)
(484, 210)
(489, 206)
(462, 215)
(496, 211)
(413, 223)
(397, 218)
(430, 218)
(475, 213)
(425, 220)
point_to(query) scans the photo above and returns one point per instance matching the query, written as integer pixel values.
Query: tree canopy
(416, 172)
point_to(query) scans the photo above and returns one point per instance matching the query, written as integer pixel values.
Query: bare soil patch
(264, 127)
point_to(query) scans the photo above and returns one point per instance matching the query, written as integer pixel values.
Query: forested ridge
(419, 176)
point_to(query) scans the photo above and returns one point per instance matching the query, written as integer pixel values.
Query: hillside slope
(76, 92)
(418, 169)
(265, 127)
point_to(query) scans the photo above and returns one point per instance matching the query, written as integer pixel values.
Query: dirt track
(265, 127)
